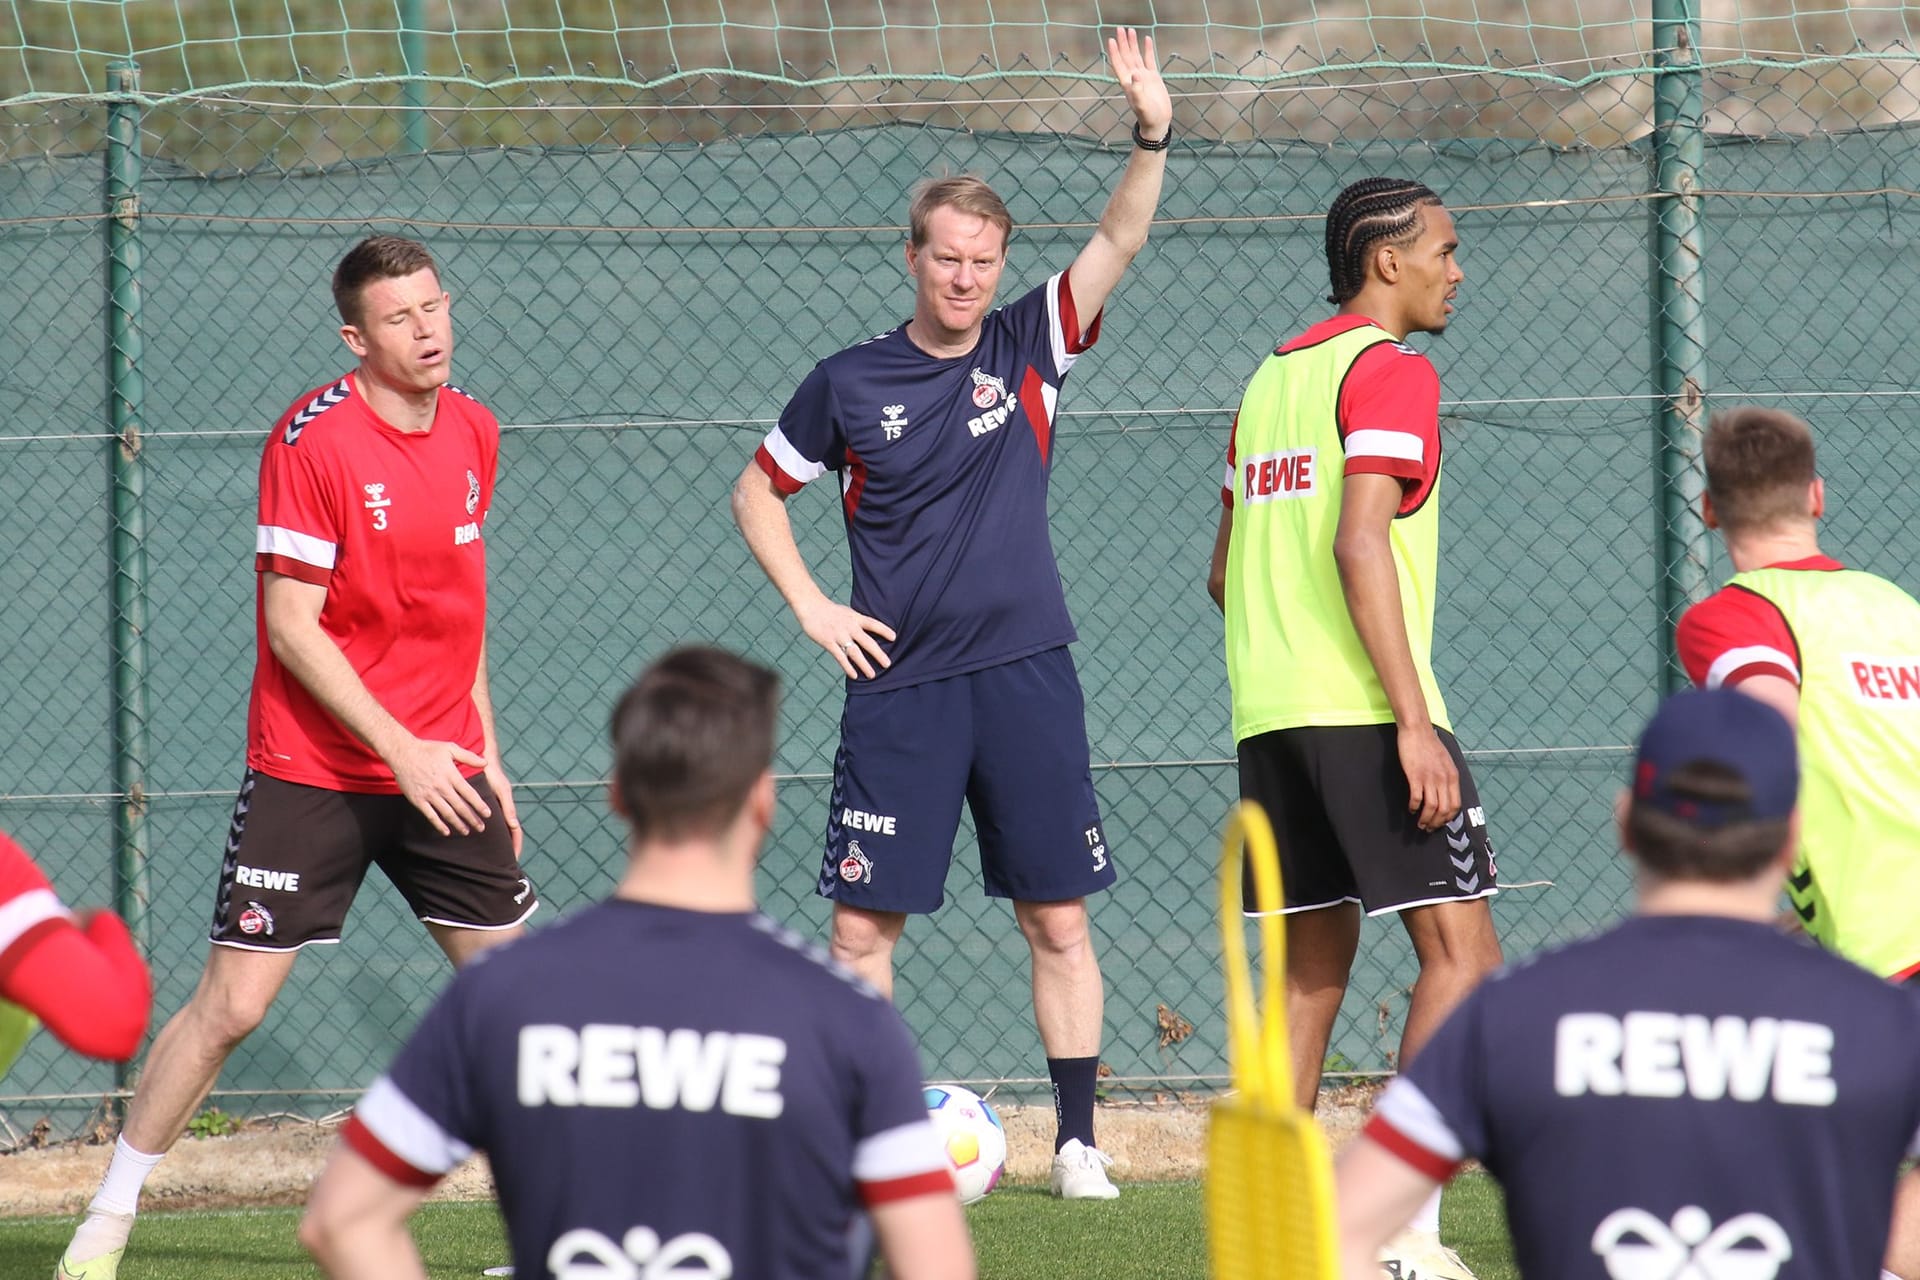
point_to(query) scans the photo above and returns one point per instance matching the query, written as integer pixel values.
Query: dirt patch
(274, 1162)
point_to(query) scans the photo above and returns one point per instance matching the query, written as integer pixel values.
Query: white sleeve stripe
(1751, 655)
(34, 907)
(911, 1149)
(1232, 480)
(788, 459)
(1056, 334)
(1375, 443)
(1407, 1109)
(407, 1131)
(272, 540)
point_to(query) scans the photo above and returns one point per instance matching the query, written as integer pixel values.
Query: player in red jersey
(81, 977)
(370, 735)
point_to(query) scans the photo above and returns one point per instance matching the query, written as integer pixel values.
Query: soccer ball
(975, 1144)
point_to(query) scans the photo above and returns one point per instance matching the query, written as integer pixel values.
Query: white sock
(1428, 1219)
(120, 1190)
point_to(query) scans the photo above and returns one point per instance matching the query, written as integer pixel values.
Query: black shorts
(296, 855)
(1337, 798)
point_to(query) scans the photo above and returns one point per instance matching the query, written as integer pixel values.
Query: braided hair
(1370, 211)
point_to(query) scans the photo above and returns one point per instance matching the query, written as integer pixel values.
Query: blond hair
(963, 192)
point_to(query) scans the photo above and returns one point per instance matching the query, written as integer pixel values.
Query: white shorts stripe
(1750, 655)
(407, 1131)
(799, 470)
(1374, 443)
(913, 1148)
(272, 540)
(34, 907)
(1403, 1106)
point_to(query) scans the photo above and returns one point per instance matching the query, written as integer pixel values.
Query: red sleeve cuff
(1226, 497)
(1070, 320)
(288, 567)
(369, 1148)
(1753, 669)
(933, 1182)
(11, 958)
(1402, 468)
(781, 480)
(1437, 1167)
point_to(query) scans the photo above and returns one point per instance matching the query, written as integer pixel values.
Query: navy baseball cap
(1718, 726)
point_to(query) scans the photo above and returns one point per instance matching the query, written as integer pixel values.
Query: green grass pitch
(1153, 1232)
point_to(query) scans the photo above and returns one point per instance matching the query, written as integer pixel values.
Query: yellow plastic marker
(1269, 1175)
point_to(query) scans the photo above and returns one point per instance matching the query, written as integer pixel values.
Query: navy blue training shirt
(943, 467)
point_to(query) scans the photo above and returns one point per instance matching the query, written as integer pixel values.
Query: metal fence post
(1680, 318)
(126, 395)
(413, 54)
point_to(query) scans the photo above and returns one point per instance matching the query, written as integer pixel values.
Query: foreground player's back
(1688, 1085)
(663, 1085)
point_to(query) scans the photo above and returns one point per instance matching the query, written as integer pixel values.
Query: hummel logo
(893, 420)
(332, 396)
(1638, 1246)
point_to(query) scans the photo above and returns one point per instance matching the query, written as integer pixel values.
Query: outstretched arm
(1129, 213)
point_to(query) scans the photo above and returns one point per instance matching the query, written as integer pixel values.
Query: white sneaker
(1419, 1255)
(1080, 1172)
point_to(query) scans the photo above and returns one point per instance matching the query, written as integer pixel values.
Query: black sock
(1073, 1081)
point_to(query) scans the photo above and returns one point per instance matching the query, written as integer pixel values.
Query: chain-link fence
(646, 262)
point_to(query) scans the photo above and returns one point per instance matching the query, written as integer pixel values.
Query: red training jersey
(85, 981)
(390, 523)
(1735, 633)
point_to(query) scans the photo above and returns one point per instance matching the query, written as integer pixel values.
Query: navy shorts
(1012, 741)
(1337, 798)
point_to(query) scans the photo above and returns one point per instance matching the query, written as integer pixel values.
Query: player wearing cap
(1325, 565)
(1837, 651)
(82, 977)
(370, 733)
(645, 1123)
(955, 643)
(1687, 1093)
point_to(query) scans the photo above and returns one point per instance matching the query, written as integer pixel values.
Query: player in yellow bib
(1325, 567)
(1837, 651)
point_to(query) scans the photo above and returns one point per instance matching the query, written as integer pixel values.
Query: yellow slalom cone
(1269, 1175)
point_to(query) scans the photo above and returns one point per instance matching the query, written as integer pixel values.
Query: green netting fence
(655, 217)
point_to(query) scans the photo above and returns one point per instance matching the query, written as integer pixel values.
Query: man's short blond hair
(965, 193)
(1759, 465)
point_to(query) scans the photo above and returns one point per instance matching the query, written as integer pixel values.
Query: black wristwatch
(1140, 141)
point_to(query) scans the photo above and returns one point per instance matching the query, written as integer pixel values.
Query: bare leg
(462, 945)
(236, 990)
(1068, 998)
(1457, 947)
(1320, 950)
(864, 940)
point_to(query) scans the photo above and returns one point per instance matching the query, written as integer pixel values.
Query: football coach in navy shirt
(954, 645)
(1690, 1093)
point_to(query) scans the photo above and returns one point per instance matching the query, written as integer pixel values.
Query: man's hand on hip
(430, 778)
(503, 796)
(850, 636)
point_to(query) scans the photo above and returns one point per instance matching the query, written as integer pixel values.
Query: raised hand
(1131, 58)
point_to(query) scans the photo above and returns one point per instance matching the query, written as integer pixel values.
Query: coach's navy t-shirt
(943, 468)
(1679, 1096)
(695, 1093)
